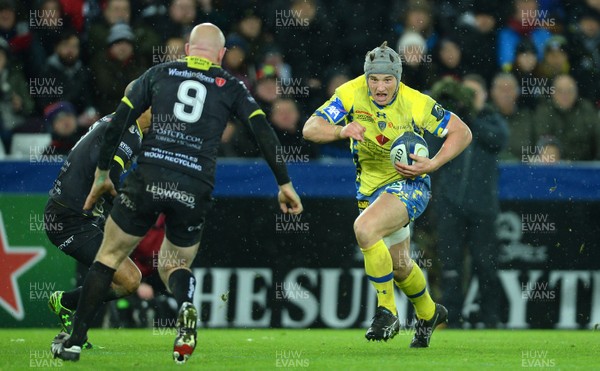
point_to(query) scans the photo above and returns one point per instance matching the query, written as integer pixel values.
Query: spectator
(334, 77)
(505, 95)
(266, 89)
(67, 71)
(146, 40)
(416, 16)
(237, 139)
(447, 60)
(585, 40)
(556, 59)
(114, 70)
(363, 20)
(524, 23)
(115, 11)
(477, 33)
(173, 50)
(213, 14)
(272, 56)
(416, 63)
(250, 29)
(182, 18)
(62, 124)
(76, 11)
(463, 221)
(47, 25)
(153, 13)
(301, 37)
(526, 71)
(286, 120)
(236, 61)
(15, 102)
(15, 33)
(549, 150)
(573, 121)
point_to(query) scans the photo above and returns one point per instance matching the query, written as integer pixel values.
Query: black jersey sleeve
(129, 146)
(268, 142)
(247, 110)
(244, 104)
(129, 109)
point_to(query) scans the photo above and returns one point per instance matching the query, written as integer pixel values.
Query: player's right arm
(318, 130)
(267, 141)
(326, 124)
(246, 107)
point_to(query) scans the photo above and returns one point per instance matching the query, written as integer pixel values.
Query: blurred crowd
(65, 63)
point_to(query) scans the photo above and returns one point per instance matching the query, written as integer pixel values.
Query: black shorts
(150, 190)
(75, 234)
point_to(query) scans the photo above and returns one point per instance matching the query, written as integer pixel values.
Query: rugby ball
(409, 142)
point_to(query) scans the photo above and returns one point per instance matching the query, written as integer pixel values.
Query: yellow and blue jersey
(410, 110)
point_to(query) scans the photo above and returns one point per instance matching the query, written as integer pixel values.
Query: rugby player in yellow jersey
(372, 110)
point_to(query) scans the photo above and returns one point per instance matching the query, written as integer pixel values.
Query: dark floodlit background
(64, 64)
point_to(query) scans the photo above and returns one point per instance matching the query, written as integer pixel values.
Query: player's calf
(127, 278)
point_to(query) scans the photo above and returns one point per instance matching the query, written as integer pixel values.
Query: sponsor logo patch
(219, 81)
(438, 111)
(382, 139)
(362, 204)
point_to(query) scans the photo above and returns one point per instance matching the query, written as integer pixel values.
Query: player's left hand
(101, 185)
(421, 165)
(289, 201)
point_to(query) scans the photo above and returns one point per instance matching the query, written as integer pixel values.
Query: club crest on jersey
(219, 81)
(382, 125)
(382, 139)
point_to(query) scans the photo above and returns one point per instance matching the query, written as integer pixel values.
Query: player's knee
(364, 231)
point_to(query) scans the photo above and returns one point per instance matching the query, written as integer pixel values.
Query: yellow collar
(200, 63)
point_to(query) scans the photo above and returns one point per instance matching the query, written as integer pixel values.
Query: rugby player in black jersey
(78, 233)
(175, 176)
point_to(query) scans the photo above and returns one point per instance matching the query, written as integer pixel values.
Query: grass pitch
(263, 349)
